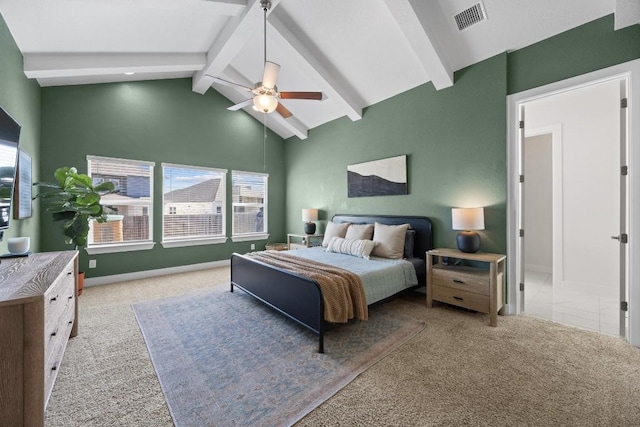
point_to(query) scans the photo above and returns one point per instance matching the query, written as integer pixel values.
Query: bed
(300, 298)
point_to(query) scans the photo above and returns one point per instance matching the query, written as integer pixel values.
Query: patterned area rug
(224, 359)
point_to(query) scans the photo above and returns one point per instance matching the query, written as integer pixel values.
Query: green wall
(584, 49)
(158, 121)
(454, 140)
(20, 97)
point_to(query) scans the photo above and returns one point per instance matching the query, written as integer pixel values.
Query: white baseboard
(538, 268)
(105, 280)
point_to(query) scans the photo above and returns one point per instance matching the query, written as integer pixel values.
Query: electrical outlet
(253, 246)
(92, 263)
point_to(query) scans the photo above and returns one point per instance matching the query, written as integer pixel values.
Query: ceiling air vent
(468, 17)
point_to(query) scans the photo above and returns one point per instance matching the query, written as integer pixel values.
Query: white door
(589, 267)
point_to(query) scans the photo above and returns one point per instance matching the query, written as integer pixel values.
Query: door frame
(631, 72)
(555, 130)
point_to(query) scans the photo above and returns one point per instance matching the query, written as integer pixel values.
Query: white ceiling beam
(234, 36)
(335, 87)
(47, 65)
(283, 127)
(221, 7)
(416, 19)
(627, 13)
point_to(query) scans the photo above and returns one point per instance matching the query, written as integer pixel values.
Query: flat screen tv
(9, 139)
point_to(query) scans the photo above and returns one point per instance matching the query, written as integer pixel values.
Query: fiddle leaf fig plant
(73, 201)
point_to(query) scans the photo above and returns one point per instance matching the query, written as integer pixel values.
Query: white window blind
(249, 203)
(193, 202)
(128, 207)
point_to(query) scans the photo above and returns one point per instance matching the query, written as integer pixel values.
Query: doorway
(571, 160)
(585, 270)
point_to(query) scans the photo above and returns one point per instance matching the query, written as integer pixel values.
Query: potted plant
(73, 201)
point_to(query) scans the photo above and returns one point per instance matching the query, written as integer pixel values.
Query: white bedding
(381, 277)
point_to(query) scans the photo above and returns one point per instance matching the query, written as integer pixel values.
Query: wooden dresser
(38, 314)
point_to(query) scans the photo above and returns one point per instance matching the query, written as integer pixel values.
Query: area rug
(224, 359)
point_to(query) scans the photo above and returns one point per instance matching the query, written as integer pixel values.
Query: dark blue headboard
(424, 229)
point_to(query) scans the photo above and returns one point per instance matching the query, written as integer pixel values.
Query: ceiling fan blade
(270, 76)
(283, 111)
(240, 105)
(228, 83)
(301, 95)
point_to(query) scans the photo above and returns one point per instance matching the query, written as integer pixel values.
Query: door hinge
(521, 287)
(521, 232)
(521, 124)
(521, 178)
(624, 306)
(624, 170)
(623, 103)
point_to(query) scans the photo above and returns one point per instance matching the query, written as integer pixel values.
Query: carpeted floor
(457, 371)
(225, 359)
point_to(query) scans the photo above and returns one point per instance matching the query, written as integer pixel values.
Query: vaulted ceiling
(357, 52)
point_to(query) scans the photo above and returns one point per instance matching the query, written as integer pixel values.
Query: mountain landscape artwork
(385, 177)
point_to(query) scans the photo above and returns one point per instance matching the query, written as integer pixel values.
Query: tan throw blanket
(342, 290)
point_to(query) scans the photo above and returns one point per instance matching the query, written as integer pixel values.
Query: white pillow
(333, 229)
(355, 247)
(390, 240)
(359, 232)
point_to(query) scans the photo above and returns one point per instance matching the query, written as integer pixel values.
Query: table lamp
(308, 216)
(467, 219)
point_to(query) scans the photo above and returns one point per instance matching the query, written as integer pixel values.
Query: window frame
(245, 237)
(124, 246)
(195, 241)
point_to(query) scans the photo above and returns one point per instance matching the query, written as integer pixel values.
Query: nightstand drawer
(470, 300)
(467, 279)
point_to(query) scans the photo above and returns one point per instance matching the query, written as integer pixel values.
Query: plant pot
(80, 282)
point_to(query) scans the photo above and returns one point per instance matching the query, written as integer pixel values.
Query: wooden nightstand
(300, 241)
(469, 287)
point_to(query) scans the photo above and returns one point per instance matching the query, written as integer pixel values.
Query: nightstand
(300, 241)
(469, 287)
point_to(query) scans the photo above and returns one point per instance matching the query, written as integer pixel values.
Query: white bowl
(18, 245)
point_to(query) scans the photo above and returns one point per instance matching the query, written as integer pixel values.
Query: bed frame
(300, 298)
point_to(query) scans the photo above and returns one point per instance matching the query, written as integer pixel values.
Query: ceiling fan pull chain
(264, 144)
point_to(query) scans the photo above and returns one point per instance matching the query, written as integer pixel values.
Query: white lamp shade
(467, 218)
(265, 103)
(309, 215)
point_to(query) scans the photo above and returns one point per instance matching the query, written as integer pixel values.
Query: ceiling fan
(265, 93)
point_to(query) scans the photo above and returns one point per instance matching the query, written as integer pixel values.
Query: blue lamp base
(309, 228)
(468, 241)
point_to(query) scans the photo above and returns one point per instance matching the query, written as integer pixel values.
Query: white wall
(590, 162)
(538, 217)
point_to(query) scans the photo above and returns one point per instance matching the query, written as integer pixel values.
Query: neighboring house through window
(193, 205)
(249, 206)
(128, 226)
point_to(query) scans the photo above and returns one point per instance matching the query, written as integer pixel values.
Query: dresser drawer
(467, 279)
(470, 300)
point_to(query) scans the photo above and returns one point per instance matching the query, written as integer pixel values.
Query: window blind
(194, 202)
(249, 203)
(128, 208)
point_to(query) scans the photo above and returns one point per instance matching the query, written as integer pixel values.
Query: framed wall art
(22, 195)
(385, 177)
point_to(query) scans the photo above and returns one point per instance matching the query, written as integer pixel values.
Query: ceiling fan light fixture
(265, 103)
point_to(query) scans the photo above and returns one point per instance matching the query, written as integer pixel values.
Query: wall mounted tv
(9, 139)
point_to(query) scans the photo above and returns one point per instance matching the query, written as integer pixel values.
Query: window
(129, 226)
(249, 206)
(193, 205)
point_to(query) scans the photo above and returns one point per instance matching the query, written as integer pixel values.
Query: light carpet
(224, 359)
